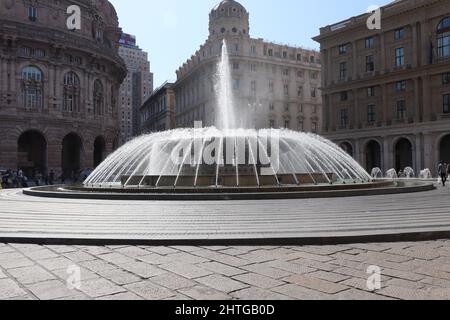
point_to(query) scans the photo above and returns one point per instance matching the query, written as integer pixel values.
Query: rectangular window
(286, 89)
(253, 50)
(370, 66)
(271, 123)
(300, 74)
(253, 86)
(399, 57)
(300, 91)
(446, 103)
(343, 49)
(446, 78)
(401, 110)
(368, 43)
(285, 72)
(344, 96)
(286, 107)
(314, 127)
(371, 113)
(299, 57)
(400, 86)
(270, 52)
(343, 70)
(285, 55)
(32, 13)
(313, 92)
(287, 124)
(236, 84)
(371, 91)
(444, 44)
(399, 34)
(300, 126)
(271, 106)
(344, 118)
(236, 65)
(271, 87)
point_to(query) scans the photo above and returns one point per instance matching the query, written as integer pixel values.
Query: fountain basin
(232, 193)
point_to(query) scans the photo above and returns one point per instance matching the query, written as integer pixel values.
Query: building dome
(229, 17)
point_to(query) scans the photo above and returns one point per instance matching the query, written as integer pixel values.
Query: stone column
(385, 104)
(416, 105)
(387, 155)
(87, 155)
(429, 153)
(382, 53)
(428, 110)
(358, 152)
(418, 154)
(355, 61)
(54, 154)
(415, 55)
(357, 118)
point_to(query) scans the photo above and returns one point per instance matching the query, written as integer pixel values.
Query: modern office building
(136, 88)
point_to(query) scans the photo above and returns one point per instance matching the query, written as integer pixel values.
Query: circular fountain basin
(238, 164)
(224, 193)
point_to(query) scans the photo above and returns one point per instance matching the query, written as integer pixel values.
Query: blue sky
(172, 30)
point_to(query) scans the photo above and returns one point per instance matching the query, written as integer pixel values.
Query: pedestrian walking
(442, 170)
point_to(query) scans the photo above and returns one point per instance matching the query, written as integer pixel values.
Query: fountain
(226, 162)
(425, 174)
(409, 173)
(376, 173)
(225, 115)
(392, 174)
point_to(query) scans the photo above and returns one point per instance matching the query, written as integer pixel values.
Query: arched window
(443, 38)
(71, 92)
(32, 87)
(98, 98)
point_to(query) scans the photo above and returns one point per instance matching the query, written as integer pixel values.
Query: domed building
(275, 85)
(58, 87)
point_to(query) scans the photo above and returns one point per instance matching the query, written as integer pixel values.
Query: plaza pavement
(385, 216)
(414, 270)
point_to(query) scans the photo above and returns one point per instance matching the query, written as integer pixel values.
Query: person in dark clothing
(442, 170)
(448, 170)
(51, 177)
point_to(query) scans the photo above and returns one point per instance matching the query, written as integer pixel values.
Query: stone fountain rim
(380, 187)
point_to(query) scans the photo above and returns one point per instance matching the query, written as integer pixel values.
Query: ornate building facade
(136, 88)
(274, 85)
(387, 92)
(58, 88)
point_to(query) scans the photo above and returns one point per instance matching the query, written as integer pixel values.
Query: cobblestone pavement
(413, 270)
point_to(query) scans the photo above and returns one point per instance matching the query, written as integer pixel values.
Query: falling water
(225, 114)
(171, 158)
(149, 161)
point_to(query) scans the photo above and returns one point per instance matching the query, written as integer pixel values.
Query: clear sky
(172, 30)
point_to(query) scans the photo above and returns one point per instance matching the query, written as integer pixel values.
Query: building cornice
(389, 11)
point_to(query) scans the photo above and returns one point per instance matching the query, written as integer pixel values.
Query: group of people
(18, 179)
(444, 172)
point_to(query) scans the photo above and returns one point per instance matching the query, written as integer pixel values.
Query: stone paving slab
(337, 272)
(303, 221)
